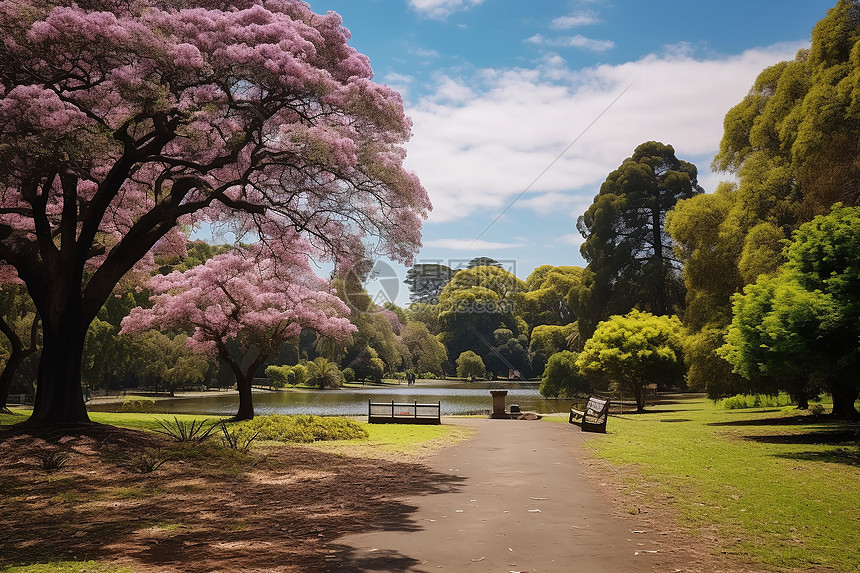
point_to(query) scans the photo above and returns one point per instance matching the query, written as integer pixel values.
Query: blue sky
(499, 89)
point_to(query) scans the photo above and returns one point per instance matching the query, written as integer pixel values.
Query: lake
(456, 398)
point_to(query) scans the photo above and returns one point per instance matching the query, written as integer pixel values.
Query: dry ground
(279, 511)
(284, 509)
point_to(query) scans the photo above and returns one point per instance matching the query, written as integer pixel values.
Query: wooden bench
(403, 413)
(593, 418)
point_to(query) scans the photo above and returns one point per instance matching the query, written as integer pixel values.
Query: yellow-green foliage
(137, 404)
(302, 429)
(742, 401)
(65, 567)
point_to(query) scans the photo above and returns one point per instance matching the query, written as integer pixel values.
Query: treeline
(751, 288)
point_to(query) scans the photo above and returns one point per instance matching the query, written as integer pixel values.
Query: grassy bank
(384, 440)
(781, 489)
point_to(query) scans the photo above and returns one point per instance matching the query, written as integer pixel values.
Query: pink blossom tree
(247, 298)
(122, 121)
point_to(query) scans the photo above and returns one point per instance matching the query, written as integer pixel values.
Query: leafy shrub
(302, 429)
(742, 401)
(348, 374)
(300, 374)
(279, 376)
(182, 431)
(137, 404)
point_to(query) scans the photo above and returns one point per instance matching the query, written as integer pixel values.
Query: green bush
(137, 405)
(562, 377)
(301, 429)
(742, 401)
(300, 374)
(349, 374)
(470, 365)
(279, 376)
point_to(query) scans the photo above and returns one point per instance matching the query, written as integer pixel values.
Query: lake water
(456, 398)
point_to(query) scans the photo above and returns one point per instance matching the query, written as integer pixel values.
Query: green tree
(562, 377)
(161, 360)
(796, 131)
(802, 327)
(471, 366)
(474, 304)
(780, 337)
(483, 262)
(629, 352)
(426, 281)
(426, 353)
(509, 353)
(547, 340)
(546, 298)
(374, 333)
(427, 314)
(631, 261)
(710, 247)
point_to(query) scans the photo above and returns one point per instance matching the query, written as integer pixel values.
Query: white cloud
(574, 239)
(583, 18)
(481, 140)
(469, 245)
(578, 41)
(441, 8)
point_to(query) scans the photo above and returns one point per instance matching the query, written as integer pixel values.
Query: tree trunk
(246, 403)
(59, 396)
(638, 391)
(243, 380)
(660, 296)
(844, 395)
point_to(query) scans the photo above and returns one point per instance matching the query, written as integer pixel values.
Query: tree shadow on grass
(847, 456)
(800, 420)
(280, 511)
(826, 437)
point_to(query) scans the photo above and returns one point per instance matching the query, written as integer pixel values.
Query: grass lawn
(66, 567)
(781, 489)
(389, 441)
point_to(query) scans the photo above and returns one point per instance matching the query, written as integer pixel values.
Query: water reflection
(455, 399)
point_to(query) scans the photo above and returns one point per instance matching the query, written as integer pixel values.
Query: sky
(521, 109)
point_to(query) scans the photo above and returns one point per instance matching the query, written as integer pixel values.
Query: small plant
(235, 439)
(183, 431)
(52, 460)
(147, 461)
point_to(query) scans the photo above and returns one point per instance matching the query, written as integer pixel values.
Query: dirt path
(527, 502)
